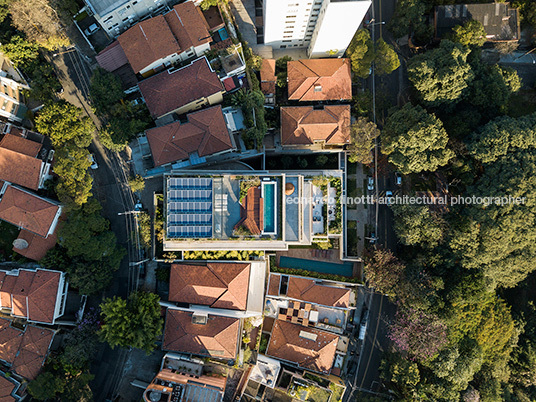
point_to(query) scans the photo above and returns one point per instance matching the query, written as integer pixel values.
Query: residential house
(158, 42)
(326, 127)
(323, 27)
(268, 80)
(12, 99)
(203, 136)
(182, 90)
(36, 295)
(9, 388)
(306, 347)
(200, 333)
(114, 60)
(319, 80)
(172, 383)
(25, 350)
(500, 21)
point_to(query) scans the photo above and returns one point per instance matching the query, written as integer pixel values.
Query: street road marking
(373, 343)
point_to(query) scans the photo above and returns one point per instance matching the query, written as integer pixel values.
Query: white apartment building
(324, 27)
(115, 16)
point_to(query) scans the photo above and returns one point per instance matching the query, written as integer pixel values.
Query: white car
(90, 30)
(94, 164)
(370, 184)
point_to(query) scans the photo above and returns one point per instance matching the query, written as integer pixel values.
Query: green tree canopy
(409, 17)
(46, 386)
(362, 135)
(415, 140)
(384, 272)
(21, 52)
(134, 322)
(105, 90)
(418, 225)
(281, 70)
(385, 58)
(361, 53)
(472, 33)
(71, 165)
(63, 123)
(440, 76)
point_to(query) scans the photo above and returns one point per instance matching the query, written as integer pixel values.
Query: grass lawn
(8, 233)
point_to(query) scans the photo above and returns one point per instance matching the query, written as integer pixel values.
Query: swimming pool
(268, 196)
(344, 269)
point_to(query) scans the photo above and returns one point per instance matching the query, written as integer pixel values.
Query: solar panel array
(189, 207)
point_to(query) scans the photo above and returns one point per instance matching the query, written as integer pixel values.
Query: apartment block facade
(324, 27)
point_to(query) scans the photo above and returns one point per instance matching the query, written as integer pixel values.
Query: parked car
(94, 164)
(398, 178)
(90, 30)
(372, 238)
(388, 195)
(370, 184)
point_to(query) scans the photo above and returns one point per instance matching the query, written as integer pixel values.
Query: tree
(403, 374)
(206, 4)
(105, 90)
(134, 322)
(43, 81)
(46, 386)
(385, 58)
(418, 225)
(21, 52)
(136, 183)
(63, 123)
(362, 136)
(440, 76)
(502, 135)
(409, 18)
(415, 140)
(71, 165)
(472, 33)
(40, 23)
(281, 71)
(361, 53)
(384, 272)
(420, 334)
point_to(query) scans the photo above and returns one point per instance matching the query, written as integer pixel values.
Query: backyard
(8, 233)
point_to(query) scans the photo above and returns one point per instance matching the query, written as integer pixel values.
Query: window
(283, 47)
(287, 41)
(290, 16)
(287, 31)
(287, 36)
(289, 26)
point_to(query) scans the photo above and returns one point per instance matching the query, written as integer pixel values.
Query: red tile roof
(6, 388)
(319, 79)
(216, 284)
(268, 78)
(37, 245)
(20, 169)
(251, 212)
(307, 290)
(188, 24)
(112, 57)
(33, 350)
(273, 285)
(205, 133)
(29, 211)
(30, 294)
(147, 42)
(10, 340)
(304, 125)
(20, 145)
(170, 90)
(287, 344)
(217, 338)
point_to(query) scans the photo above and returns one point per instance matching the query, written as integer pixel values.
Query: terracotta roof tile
(287, 344)
(304, 125)
(20, 169)
(268, 78)
(112, 57)
(6, 388)
(147, 42)
(6, 288)
(219, 285)
(37, 245)
(217, 338)
(251, 213)
(170, 90)
(273, 284)
(10, 341)
(27, 210)
(307, 290)
(33, 350)
(319, 79)
(188, 24)
(21, 145)
(205, 133)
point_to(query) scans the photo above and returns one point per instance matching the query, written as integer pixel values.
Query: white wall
(336, 27)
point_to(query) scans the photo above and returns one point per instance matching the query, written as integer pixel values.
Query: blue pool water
(344, 269)
(269, 207)
(223, 34)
